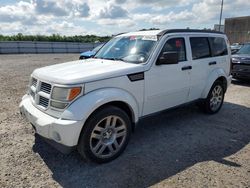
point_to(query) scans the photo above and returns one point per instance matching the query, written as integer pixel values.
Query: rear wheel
(105, 135)
(213, 103)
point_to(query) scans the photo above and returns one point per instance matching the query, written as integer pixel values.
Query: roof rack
(167, 31)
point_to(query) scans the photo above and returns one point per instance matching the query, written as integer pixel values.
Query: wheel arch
(119, 104)
(223, 80)
(87, 105)
(218, 74)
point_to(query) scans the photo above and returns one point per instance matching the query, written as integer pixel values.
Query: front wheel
(213, 103)
(105, 135)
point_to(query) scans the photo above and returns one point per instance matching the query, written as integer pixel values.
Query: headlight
(65, 94)
(235, 60)
(61, 96)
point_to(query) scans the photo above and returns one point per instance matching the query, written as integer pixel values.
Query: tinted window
(200, 47)
(218, 46)
(176, 45)
(245, 49)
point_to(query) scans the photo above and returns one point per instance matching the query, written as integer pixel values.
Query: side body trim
(136, 76)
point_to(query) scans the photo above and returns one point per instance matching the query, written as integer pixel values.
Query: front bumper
(62, 134)
(241, 71)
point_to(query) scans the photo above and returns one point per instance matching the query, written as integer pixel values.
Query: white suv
(93, 104)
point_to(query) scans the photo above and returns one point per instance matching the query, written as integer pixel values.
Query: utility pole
(221, 9)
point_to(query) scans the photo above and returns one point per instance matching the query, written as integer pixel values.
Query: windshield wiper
(113, 59)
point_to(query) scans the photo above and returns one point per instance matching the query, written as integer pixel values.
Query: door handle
(212, 63)
(186, 68)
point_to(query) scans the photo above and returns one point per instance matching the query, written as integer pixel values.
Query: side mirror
(168, 58)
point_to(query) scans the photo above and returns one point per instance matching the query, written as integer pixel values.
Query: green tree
(55, 38)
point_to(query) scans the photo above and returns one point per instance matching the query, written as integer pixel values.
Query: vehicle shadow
(162, 146)
(241, 82)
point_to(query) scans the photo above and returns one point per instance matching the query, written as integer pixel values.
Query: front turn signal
(74, 92)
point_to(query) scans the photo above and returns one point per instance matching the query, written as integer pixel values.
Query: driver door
(167, 85)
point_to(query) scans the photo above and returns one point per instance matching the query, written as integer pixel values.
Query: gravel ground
(178, 148)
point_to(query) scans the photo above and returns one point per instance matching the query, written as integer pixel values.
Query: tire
(105, 135)
(214, 101)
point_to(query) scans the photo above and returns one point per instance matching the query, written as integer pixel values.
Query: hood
(88, 70)
(87, 54)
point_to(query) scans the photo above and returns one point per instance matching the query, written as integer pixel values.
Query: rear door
(220, 54)
(201, 58)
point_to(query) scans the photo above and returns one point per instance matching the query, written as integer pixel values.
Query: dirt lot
(179, 148)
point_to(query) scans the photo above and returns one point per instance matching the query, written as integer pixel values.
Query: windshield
(245, 49)
(97, 48)
(133, 49)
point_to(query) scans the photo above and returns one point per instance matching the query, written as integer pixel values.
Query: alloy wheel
(108, 136)
(216, 98)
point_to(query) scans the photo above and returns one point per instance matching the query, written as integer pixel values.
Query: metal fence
(19, 47)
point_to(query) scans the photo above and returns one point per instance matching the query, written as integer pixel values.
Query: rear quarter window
(218, 46)
(200, 47)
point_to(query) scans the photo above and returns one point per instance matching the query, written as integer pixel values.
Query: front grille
(40, 92)
(244, 68)
(245, 61)
(34, 82)
(45, 87)
(43, 101)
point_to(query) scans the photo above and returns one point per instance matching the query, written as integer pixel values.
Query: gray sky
(106, 17)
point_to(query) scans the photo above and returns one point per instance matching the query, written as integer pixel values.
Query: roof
(239, 18)
(149, 32)
(188, 31)
(167, 31)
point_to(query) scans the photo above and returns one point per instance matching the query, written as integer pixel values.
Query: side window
(176, 45)
(200, 47)
(218, 46)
